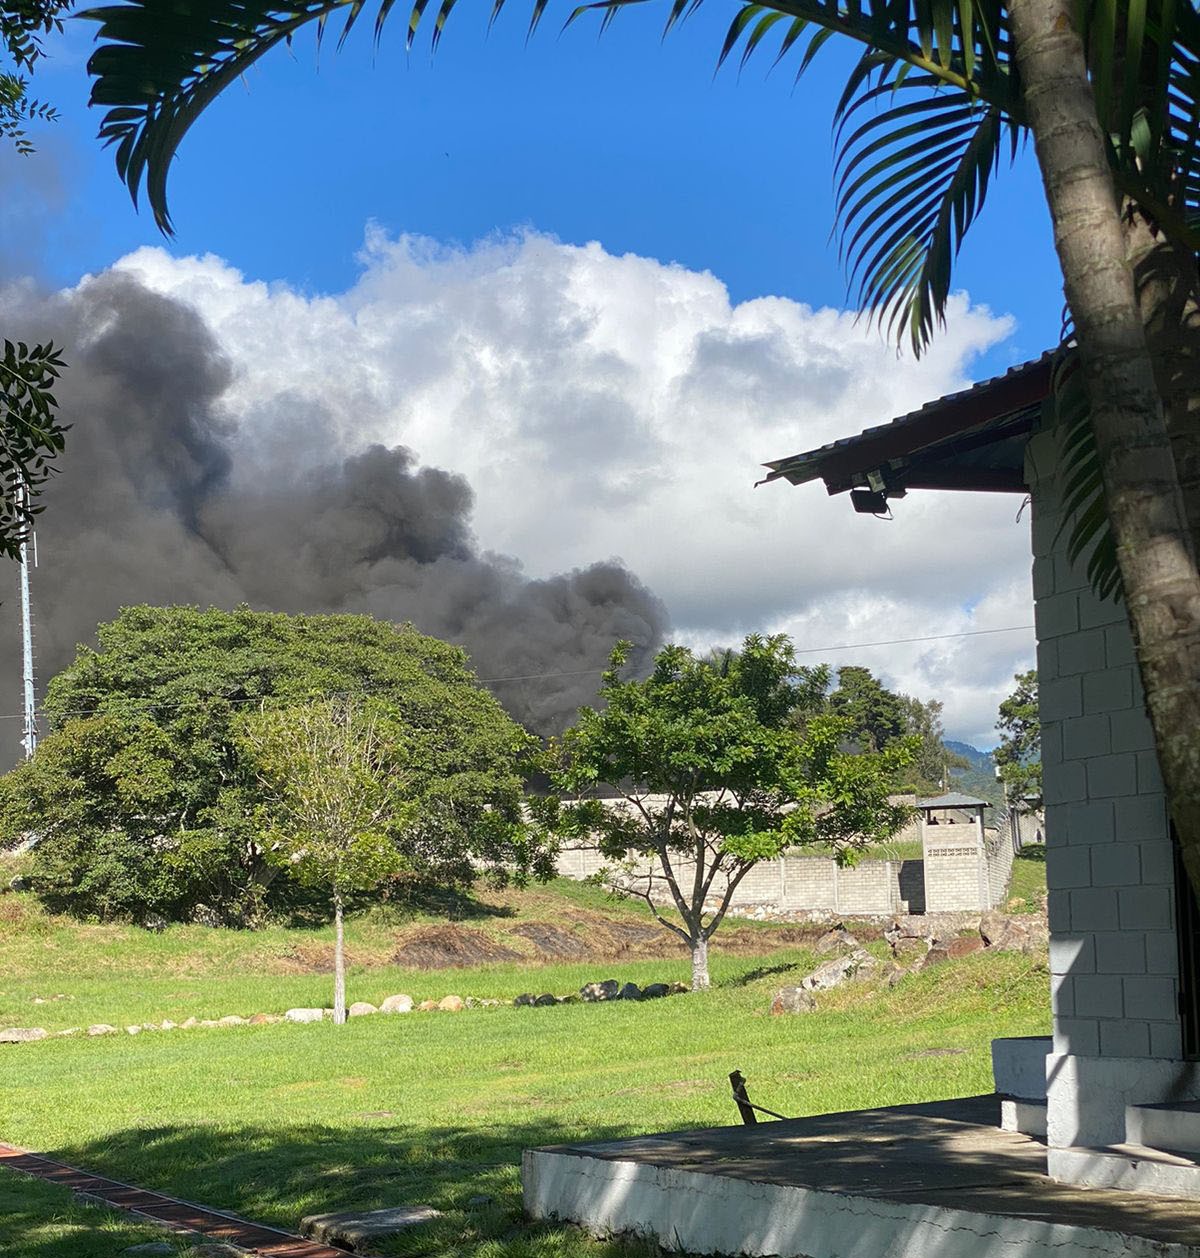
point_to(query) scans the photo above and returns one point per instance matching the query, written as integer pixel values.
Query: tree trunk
(700, 979)
(1141, 486)
(1166, 281)
(339, 962)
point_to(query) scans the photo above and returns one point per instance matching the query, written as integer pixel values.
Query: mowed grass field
(278, 1121)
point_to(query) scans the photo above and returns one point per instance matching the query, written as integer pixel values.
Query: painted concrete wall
(1113, 949)
(956, 878)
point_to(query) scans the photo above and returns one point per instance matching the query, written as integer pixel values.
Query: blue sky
(626, 139)
(391, 247)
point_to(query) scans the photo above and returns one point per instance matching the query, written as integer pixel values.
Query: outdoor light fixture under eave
(869, 501)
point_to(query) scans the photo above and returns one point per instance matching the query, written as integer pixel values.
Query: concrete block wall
(1000, 853)
(1113, 953)
(955, 868)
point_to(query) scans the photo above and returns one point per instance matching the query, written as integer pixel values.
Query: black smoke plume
(163, 498)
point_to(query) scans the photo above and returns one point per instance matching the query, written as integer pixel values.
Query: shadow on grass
(762, 971)
(1033, 853)
(278, 1175)
(452, 903)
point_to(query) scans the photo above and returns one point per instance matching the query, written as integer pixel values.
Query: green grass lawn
(275, 1122)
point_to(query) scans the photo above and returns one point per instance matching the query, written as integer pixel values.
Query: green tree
(1018, 755)
(874, 716)
(31, 435)
(333, 796)
(143, 759)
(942, 91)
(712, 776)
(931, 766)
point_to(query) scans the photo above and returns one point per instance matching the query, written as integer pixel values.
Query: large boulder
(631, 991)
(856, 964)
(546, 998)
(952, 949)
(22, 1034)
(526, 1000)
(1023, 933)
(654, 991)
(304, 1015)
(452, 1004)
(361, 1008)
(399, 1003)
(427, 1006)
(606, 990)
(793, 1000)
(835, 939)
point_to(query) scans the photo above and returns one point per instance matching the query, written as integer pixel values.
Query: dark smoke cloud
(163, 499)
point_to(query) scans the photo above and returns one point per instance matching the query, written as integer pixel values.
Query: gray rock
(361, 1008)
(525, 1000)
(206, 915)
(397, 1004)
(793, 1000)
(837, 937)
(654, 991)
(101, 1028)
(356, 1229)
(304, 1015)
(22, 1034)
(546, 999)
(631, 991)
(607, 990)
(856, 964)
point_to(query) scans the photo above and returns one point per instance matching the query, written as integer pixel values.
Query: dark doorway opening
(1187, 920)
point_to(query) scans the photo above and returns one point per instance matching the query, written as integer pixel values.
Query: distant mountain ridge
(980, 760)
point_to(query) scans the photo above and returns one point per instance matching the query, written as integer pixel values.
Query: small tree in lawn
(717, 764)
(334, 796)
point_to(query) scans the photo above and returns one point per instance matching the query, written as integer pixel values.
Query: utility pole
(28, 551)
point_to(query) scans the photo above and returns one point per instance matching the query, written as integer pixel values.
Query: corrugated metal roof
(953, 799)
(974, 408)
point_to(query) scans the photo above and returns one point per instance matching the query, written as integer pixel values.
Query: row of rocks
(608, 989)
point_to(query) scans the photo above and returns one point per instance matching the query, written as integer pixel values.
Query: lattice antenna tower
(28, 556)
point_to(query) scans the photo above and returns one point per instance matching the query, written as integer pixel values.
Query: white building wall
(1110, 870)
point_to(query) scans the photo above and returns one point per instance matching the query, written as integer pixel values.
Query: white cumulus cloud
(620, 407)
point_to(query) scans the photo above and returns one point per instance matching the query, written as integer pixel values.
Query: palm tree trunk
(1166, 281)
(1141, 485)
(339, 962)
(700, 979)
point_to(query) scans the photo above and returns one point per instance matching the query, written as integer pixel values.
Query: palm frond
(914, 164)
(1084, 512)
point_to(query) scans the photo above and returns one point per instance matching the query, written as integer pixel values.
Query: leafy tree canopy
(143, 760)
(1019, 752)
(713, 774)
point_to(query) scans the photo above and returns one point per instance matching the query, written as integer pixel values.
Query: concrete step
(1173, 1125)
(1027, 1117)
(1126, 1168)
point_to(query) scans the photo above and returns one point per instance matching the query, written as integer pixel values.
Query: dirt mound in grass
(443, 947)
(554, 942)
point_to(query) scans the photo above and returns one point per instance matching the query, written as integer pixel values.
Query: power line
(575, 672)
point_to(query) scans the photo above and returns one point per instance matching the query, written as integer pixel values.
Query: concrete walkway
(923, 1181)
